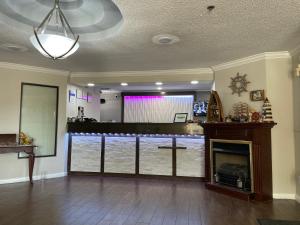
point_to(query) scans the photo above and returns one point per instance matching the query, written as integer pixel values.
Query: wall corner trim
(284, 196)
(14, 66)
(251, 59)
(37, 177)
(298, 198)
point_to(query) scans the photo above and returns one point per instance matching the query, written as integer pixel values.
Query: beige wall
(91, 109)
(256, 74)
(296, 88)
(280, 92)
(272, 75)
(13, 169)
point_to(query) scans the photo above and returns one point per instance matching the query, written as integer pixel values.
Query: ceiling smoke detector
(13, 47)
(165, 39)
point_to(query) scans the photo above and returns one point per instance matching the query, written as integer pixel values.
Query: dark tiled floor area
(115, 201)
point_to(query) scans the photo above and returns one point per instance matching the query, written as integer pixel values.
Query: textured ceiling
(235, 29)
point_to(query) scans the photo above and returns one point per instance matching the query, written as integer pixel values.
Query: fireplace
(239, 150)
(231, 162)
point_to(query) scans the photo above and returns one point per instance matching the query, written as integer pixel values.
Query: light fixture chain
(63, 25)
(66, 22)
(47, 19)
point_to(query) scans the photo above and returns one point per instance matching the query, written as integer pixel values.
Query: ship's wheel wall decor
(239, 84)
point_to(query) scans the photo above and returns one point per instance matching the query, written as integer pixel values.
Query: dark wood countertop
(136, 128)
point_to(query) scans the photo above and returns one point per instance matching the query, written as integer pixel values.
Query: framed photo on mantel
(180, 117)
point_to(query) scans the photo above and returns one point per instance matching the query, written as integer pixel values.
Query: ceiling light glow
(124, 84)
(90, 84)
(194, 82)
(159, 83)
(159, 88)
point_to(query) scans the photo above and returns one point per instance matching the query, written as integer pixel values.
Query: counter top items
(180, 117)
(8, 144)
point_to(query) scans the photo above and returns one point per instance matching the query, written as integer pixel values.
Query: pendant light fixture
(54, 37)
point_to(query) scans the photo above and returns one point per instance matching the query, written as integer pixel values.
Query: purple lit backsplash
(141, 98)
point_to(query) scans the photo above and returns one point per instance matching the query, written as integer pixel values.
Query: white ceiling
(235, 29)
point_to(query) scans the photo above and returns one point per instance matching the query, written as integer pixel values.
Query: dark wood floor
(129, 201)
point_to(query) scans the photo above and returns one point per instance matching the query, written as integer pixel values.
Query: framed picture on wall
(79, 94)
(180, 117)
(257, 95)
(72, 95)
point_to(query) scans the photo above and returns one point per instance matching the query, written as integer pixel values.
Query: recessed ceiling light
(90, 84)
(159, 88)
(124, 84)
(194, 82)
(165, 39)
(163, 93)
(13, 47)
(159, 83)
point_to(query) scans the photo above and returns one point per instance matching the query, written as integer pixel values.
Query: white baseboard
(284, 196)
(298, 198)
(37, 177)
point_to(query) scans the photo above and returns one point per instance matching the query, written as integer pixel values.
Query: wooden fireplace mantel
(260, 136)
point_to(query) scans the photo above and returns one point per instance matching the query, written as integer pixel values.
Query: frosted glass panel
(190, 161)
(39, 117)
(86, 154)
(154, 160)
(120, 154)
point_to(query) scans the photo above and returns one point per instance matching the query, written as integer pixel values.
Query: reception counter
(136, 149)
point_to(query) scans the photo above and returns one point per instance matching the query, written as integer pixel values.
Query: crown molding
(251, 59)
(171, 72)
(196, 71)
(14, 66)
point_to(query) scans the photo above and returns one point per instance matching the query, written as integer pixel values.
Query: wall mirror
(38, 117)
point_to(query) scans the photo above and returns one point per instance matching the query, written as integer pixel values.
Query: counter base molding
(157, 155)
(238, 159)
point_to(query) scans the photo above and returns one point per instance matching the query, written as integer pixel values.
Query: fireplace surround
(258, 138)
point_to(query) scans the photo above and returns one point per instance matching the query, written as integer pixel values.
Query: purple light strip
(141, 98)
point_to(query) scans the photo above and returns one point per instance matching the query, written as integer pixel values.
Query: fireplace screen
(231, 164)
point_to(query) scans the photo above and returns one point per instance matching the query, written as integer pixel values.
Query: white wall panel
(156, 109)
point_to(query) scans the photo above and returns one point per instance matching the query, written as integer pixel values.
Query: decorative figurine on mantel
(267, 111)
(239, 84)
(214, 108)
(240, 112)
(25, 139)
